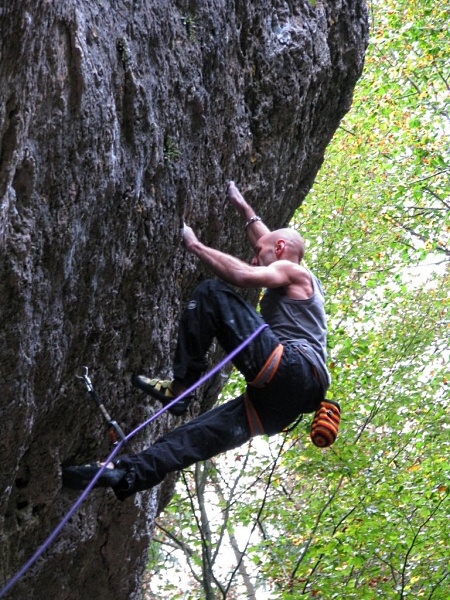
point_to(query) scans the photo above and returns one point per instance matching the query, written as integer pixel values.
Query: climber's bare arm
(255, 228)
(281, 273)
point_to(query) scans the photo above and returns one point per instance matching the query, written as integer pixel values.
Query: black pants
(217, 311)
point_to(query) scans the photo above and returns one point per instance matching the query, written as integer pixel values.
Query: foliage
(368, 517)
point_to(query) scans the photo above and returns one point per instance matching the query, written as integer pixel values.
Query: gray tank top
(298, 320)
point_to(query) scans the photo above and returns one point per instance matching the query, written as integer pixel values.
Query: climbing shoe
(79, 477)
(325, 425)
(162, 390)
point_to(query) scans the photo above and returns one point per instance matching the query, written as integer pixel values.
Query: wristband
(252, 220)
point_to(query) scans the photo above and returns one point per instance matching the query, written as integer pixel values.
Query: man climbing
(284, 366)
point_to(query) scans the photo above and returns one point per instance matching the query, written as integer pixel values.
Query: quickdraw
(114, 429)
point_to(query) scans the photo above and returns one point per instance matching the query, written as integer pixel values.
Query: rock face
(119, 120)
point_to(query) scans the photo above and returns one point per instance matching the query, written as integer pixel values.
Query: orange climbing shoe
(161, 389)
(325, 425)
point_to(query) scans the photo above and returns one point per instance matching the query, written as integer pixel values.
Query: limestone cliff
(118, 120)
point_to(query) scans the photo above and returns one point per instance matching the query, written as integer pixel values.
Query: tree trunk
(119, 120)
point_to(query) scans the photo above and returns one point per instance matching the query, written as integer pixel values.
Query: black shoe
(79, 477)
(162, 390)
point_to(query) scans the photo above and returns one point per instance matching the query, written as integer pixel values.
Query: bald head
(295, 246)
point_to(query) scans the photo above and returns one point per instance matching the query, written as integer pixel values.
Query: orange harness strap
(256, 427)
(261, 380)
(269, 369)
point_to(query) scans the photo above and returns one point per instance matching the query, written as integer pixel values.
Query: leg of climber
(215, 311)
(220, 429)
(216, 431)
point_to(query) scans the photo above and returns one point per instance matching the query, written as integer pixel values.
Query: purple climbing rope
(88, 489)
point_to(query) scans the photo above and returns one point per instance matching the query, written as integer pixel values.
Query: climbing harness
(115, 451)
(254, 422)
(263, 378)
(114, 429)
(269, 369)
